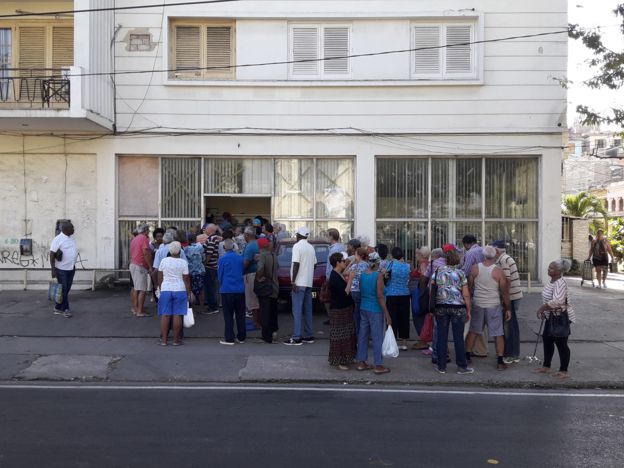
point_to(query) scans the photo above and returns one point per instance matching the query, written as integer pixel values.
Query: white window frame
(321, 75)
(476, 52)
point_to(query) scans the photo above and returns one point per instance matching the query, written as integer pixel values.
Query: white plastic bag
(189, 318)
(389, 347)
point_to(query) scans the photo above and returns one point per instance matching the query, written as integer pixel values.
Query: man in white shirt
(63, 254)
(302, 276)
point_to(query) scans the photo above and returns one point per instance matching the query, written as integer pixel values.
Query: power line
(114, 8)
(287, 62)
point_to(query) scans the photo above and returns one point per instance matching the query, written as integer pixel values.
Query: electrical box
(26, 247)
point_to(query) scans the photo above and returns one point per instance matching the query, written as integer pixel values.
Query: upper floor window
(601, 143)
(443, 51)
(202, 50)
(319, 51)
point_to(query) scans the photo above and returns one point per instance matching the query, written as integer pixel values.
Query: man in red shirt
(140, 265)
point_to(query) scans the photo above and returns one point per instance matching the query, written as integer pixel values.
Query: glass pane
(456, 188)
(294, 188)
(290, 226)
(345, 228)
(402, 188)
(334, 188)
(181, 181)
(511, 188)
(138, 186)
(522, 240)
(443, 232)
(248, 176)
(5, 63)
(410, 236)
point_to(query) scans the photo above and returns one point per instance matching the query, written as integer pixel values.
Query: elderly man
(473, 254)
(140, 268)
(63, 254)
(211, 257)
(163, 250)
(335, 246)
(230, 273)
(512, 330)
(489, 283)
(302, 276)
(250, 263)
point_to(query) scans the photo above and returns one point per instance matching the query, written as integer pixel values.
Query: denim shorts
(172, 303)
(492, 316)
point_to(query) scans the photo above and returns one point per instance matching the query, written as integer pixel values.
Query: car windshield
(284, 256)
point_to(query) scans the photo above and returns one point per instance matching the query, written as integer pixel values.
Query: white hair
(175, 247)
(489, 252)
(167, 237)
(437, 253)
(250, 231)
(563, 265)
(364, 241)
(425, 251)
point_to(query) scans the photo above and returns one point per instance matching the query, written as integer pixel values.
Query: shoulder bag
(264, 287)
(433, 291)
(558, 325)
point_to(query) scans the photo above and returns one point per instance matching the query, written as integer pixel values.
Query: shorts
(173, 303)
(251, 300)
(139, 277)
(492, 316)
(600, 261)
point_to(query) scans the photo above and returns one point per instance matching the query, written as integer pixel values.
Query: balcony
(36, 89)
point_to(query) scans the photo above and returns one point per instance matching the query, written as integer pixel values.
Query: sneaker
(227, 343)
(511, 360)
(293, 342)
(467, 370)
(67, 314)
(427, 352)
(248, 314)
(210, 312)
(309, 339)
(440, 371)
(240, 341)
(57, 312)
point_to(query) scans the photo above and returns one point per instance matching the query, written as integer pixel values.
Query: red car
(284, 259)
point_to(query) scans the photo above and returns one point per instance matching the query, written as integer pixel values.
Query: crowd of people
(474, 291)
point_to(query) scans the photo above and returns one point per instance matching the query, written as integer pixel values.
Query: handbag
(426, 334)
(263, 288)
(389, 347)
(189, 318)
(557, 326)
(433, 292)
(325, 293)
(58, 255)
(55, 292)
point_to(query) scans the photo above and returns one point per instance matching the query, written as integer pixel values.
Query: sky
(592, 13)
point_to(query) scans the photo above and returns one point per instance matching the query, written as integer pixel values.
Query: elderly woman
(353, 272)
(558, 315)
(373, 310)
(452, 306)
(342, 339)
(398, 296)
(175, 293)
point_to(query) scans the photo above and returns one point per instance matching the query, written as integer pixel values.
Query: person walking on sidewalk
(599, 252)
(302, 276)
(488, 283)
(175, 293)
(230, 274)
(342, 338)
(556, 304)
(373, 310)
(140, 264)
(267, 289)
(63, 255)
(512, 329)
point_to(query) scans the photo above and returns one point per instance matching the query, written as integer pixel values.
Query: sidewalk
(103, 342)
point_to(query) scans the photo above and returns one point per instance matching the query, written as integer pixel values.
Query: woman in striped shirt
(555, 298)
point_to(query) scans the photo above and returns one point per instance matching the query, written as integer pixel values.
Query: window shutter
(187, 50)
(427, 61)
(62, 47)
(336, 44)
(32, 46)
(459, 57)
(305, 45)
(219, 48)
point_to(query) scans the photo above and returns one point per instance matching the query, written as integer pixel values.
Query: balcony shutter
(187, 51)
(305, 45)
(427, 61)
(62, 47)
(219, 49)
(336, 44)
(459, 57)
(32, 46)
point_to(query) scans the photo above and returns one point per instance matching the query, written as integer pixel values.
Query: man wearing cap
(512, 330)
(302, 276)
(140, 260)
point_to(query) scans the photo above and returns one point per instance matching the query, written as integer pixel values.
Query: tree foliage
(583, 205)
(609, 67)
(616, 236)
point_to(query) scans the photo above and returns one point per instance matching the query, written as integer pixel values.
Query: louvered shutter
(62, 47)
(427, 60)
(32, 46)
(459, 57)
(305, 46)
(187, 50)
(336, 44)
(219, 49)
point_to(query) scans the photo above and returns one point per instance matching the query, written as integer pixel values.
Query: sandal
(343, 367)
(142, 315)
(381, 370)
(163, 343)
(178, 343)
(560, 375)
(542, 370)
(420, 345)
(364, 366)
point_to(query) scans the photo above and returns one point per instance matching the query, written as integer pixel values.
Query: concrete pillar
(365, 195)
(107, 206)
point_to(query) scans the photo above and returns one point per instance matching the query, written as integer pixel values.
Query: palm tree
(583, 205)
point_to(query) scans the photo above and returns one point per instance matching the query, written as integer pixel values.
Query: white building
(215, 108)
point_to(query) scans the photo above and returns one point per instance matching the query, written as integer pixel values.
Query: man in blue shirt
(163, 250)
(230, 274)
(250, 259)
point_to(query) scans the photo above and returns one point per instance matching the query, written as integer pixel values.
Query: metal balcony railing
(34, 89)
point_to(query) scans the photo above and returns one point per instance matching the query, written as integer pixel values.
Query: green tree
(617, 238)
(583, 205)
(609, 67)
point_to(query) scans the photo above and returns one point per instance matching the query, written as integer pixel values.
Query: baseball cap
(499, 244)
(303, 231)
(256, 222)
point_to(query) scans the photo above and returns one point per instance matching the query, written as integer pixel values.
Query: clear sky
(592, 13)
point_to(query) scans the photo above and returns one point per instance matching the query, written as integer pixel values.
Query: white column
(365, 188)
(107, 206)
(550, 215)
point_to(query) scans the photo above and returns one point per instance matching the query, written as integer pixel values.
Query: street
(91, 426)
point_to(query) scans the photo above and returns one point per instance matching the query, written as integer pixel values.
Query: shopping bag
(189, 318)
(55, 292)
(426, 334)
(389, 347)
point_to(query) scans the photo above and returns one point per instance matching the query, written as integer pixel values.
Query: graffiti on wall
(10, 256)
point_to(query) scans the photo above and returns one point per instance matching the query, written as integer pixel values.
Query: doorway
(241, 207)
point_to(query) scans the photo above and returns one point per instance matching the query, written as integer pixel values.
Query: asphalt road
(136, 427)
